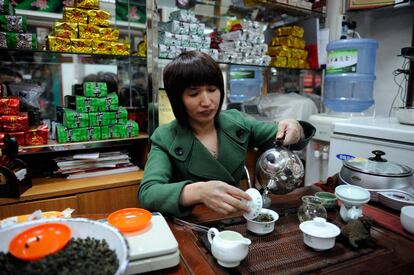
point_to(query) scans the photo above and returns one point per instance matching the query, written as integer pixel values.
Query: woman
(199, 157)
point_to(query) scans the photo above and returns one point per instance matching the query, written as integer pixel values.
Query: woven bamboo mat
(283, 251)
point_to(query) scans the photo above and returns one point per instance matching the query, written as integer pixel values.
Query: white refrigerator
(358, 138)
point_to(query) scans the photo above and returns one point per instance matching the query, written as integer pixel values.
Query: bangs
(196, 72)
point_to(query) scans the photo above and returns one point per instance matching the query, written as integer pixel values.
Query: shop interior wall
(393, 29)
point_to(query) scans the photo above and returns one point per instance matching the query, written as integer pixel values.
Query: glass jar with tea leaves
(311, 207)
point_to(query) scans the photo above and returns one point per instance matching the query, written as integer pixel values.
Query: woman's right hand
(218, 196)
(222, 197)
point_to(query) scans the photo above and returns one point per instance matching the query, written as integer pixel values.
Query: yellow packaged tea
(87, 4)
(296, 31)
(59, 44)
(109, 34)
(119, 48)
(81, 45)
(98, 17)
(102, 47)
(75, 15)
(88, 31)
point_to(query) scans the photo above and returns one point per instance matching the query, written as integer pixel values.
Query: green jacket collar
(232, 138)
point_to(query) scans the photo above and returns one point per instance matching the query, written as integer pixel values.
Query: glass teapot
(278, 171)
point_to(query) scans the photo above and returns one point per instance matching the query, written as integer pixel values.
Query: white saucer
(255, 204)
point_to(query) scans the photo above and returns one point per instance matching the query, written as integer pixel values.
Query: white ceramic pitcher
(228, 247)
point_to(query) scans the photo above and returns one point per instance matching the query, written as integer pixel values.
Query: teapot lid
(255, 204)
(378, 166)
(320, 228)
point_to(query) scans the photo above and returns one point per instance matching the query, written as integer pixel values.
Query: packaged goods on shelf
(184, 16)
(81, 45)
(37, 135)
(18, 40)
(131, 129)
(100, 119)
(214, 53)
(168, 51)
(73, 119)
(59, 44)
(95, 89)
(109, 34)
(6, 7)
(119, 117)
(121, 48)
(64, 134)
(296, 31)
(14, 123)
(98, 17)
(9, 105)
(142, 47)
(13, 23)
(287, 48)
(82, 104)
(243, 43)
(65, 29)
(87, 4)
(102, 47)
(175, 26)
(288, 41)
(88, 31)
(112, 131)
(75, 15)
(109, 103)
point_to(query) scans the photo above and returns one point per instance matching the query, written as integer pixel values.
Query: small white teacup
(407, 218)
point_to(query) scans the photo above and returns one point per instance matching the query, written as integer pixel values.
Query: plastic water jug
(350, 75)
(352, 56)
(245, 83)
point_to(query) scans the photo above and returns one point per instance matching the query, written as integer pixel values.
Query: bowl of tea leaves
(264, 223)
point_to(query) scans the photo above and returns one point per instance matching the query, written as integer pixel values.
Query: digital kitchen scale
(152, 248)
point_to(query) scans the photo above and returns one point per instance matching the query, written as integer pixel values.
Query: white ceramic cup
(407, 218)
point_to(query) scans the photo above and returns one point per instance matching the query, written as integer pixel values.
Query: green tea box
(108, 103)
(93, 133)
(73, 119)
(82, 104)
(13, 23)
(112, 131)
(95, 89)
(130, 129)
(119, 117)
(64, 134)
(100, 119)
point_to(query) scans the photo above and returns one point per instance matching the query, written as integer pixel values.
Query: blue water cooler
(350, 75)
(245, 83)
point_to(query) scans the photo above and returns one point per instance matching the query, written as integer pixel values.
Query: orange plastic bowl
(39, 241)
(130, 219)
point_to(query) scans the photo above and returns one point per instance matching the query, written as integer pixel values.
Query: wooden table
(398, 259)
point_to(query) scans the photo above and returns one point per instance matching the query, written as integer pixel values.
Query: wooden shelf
(57, 187)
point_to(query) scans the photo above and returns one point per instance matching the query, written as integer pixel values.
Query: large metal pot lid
(378, 166)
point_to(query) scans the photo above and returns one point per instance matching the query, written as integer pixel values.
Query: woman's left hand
(291, 130)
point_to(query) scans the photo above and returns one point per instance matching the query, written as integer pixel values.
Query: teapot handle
(212, 231)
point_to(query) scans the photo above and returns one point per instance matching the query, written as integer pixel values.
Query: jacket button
(179, 151)
(240, 133)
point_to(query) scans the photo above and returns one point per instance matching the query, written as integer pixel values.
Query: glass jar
(311, 207)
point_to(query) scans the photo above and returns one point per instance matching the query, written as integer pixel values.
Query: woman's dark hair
(189, 69)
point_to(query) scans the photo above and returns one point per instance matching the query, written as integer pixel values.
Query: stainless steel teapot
(278, 170)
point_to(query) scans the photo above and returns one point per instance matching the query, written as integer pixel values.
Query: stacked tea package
(13, 29)
(94, 116)
(287, 48)
(85, 29)
(183, 33)
(243, 43)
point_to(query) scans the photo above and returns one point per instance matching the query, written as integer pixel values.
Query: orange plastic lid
(39, 241)
(130, 219)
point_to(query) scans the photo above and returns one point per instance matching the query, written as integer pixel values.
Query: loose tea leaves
(80, 256)
(262, 217)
